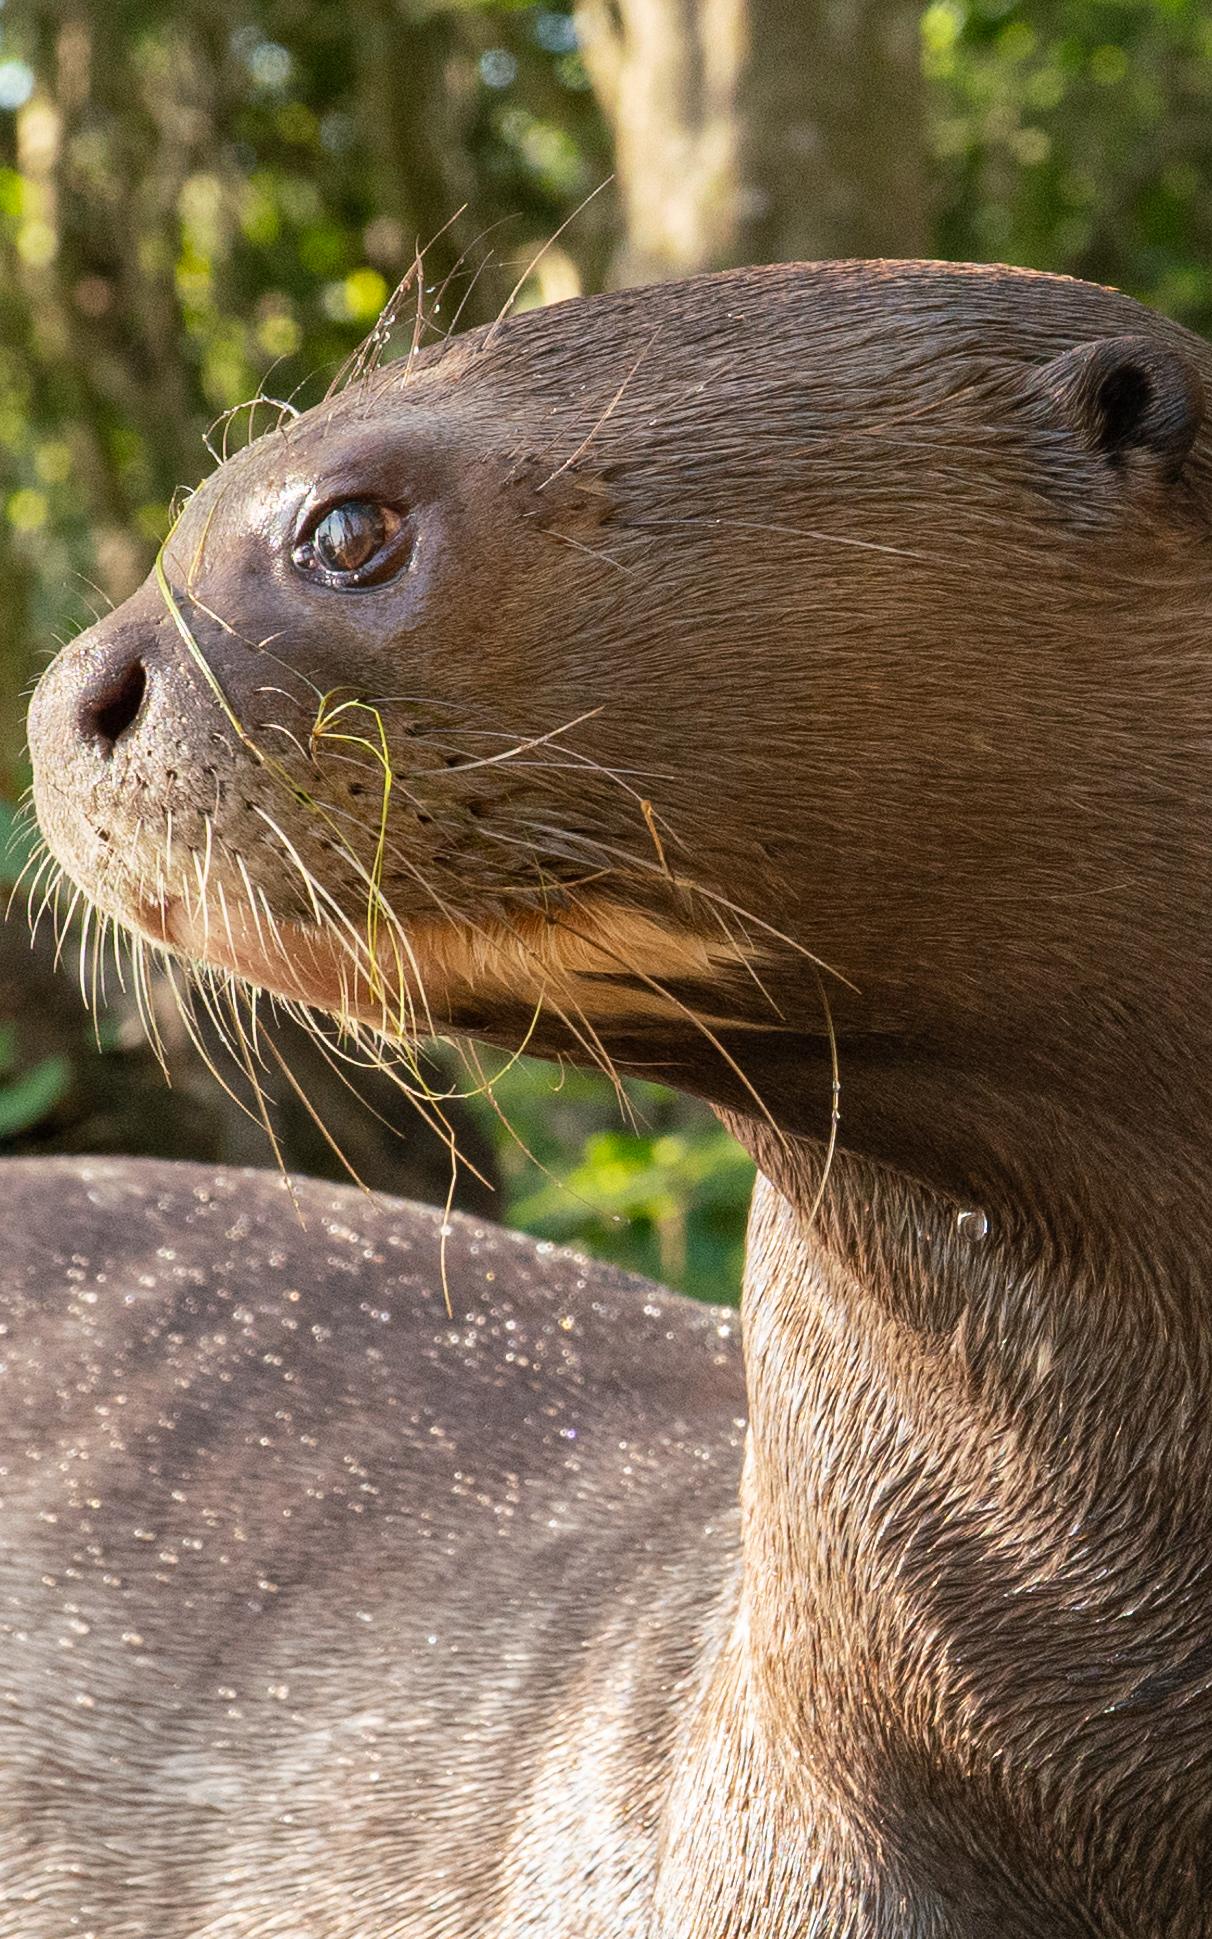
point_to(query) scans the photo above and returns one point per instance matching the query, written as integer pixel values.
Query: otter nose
(110, 702)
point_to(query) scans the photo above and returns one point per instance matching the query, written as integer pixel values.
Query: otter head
(684, 677)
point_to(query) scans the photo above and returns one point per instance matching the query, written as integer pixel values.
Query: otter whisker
(337, 758)
(401, 945)
(695, 1020)
(694, 888)
(208, 859)
(96, 996)
(835, 1096)
(593, 552)
(252, 1002)
(486, 1089)
(418, 321)
(403, 860)
(108, 603)
(592, 433)
(113, 937)
(536, 259)
(351, 941)
(203, 900)
(525, 891)
(305, 875)
(226, 915)
(444, 1230)
(252, 900)
(788, 532)
(743, 951)
(145, 1004)
(363, 362)
(101, 931)
(128, 939)
(522, 747)
(360, 359)
(226, 418)
(354, 945)
(426, 1102)
(86, 924)
(36, 861)
(271, 923)
(426, 1106)
(62, 885)
(589, 1040)
(63, 922)
(374, 1055)
(215, 991)
(54, 875)
(288, 733)
(646, 810)
(473, 281)
(575, 756)
(259, 646)
(341, 1156)
(325, 728)
(248, 1064)
(456, 269)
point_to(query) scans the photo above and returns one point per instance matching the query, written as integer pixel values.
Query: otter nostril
(107, 714)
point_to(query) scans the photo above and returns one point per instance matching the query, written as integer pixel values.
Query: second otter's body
(324, 1614)
(701, 681)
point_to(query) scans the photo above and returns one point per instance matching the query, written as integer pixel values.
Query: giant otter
(780, 681)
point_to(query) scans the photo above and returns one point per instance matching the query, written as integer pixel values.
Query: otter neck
(1086, 1123)
(977, 1519)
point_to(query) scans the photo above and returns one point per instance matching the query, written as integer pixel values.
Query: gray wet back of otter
(324, 1613)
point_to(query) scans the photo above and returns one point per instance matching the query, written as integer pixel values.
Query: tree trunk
(760, 130)
(410, 58)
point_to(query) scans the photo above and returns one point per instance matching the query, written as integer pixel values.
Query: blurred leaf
(34, 1096)
(668, 1197)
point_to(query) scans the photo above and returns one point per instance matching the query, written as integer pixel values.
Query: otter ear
(1131, 400)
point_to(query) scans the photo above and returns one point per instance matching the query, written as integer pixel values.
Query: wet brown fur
(841, 633)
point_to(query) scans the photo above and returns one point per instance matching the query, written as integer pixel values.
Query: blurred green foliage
(1076, 135)
(27, 1096)
(665, 1192)
(203, 198)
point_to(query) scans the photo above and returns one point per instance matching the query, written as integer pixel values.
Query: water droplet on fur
(973, 1224)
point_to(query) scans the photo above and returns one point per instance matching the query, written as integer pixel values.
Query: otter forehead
(856, 323)
(772, 353)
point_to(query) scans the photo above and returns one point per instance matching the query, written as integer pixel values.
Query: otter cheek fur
(716, 681)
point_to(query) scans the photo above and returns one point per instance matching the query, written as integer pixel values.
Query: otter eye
(349, 535)
(356, 543)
